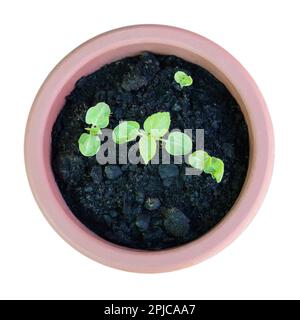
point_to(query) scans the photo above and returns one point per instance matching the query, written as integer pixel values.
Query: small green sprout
(155, 127)
(183, 79)
(98, 118)
(211, 165)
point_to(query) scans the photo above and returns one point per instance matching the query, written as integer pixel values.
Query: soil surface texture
(155, 206)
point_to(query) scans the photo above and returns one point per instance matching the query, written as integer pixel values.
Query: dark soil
(155, 206)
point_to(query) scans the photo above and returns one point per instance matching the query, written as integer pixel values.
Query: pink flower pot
(115, 45)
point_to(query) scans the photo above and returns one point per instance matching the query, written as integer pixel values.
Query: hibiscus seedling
(183, 79)
(154, 129)
(203, 161)
(98, 117)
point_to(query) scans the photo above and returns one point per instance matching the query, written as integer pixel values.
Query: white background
(263, 263)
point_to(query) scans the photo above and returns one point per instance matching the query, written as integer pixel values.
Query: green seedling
(183, 79)
(154, 129)
(203, 161)
(98, 117)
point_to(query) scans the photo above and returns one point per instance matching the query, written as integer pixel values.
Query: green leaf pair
(98, 118)
(211, 165)
(155, 127)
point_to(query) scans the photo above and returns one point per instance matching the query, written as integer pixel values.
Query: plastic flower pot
(112, 46)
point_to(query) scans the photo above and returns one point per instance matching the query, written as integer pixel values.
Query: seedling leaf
(199, 159)
(158, 124)
(183, 79)
(147, 146)
(89, 144)
(178, 144)
(126, 131)
(218, 169)
(98, 115)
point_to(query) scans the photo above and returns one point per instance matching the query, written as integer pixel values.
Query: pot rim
(119, 43)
